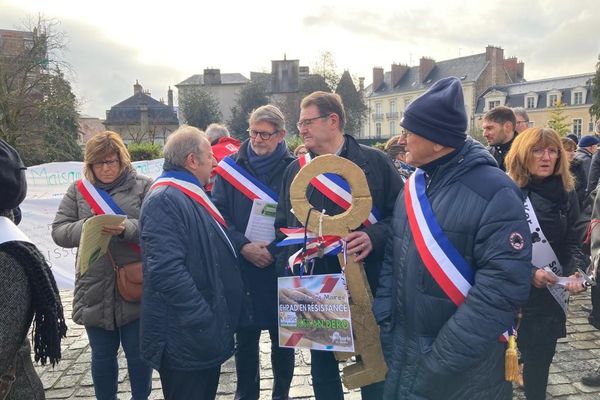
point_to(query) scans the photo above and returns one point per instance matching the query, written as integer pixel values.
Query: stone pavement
(72, 379)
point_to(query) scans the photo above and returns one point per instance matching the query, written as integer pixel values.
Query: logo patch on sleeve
(516, 241)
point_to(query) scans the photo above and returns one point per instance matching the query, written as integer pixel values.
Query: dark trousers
(247, 365)
(327, 384)
(190, 385)
(537, 357)
(594, 317)
(105, 370)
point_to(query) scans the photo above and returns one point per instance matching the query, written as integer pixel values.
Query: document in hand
(94, 243)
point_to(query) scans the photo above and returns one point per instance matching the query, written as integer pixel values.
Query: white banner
(46, 186)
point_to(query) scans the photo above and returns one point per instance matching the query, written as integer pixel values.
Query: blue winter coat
(192, 286)
(433, 349)
(260, 283)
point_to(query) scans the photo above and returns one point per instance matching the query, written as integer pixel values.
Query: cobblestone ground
(576, 355)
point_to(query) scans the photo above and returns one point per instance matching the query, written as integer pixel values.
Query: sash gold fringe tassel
(511, 360)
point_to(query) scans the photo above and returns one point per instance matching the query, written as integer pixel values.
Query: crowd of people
(469, 247)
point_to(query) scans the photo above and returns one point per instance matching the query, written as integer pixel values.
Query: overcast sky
(113, 43)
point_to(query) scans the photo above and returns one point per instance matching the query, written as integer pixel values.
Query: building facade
(540, 97)
(140, 118)
(391, 92)
(224, 88)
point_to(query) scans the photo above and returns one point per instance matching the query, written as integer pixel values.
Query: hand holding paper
(94, 239)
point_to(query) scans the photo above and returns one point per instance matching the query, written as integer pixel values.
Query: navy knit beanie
(439, 114)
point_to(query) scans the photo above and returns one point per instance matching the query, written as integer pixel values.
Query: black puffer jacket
(542, 315)
(384, 183)
(433, 349)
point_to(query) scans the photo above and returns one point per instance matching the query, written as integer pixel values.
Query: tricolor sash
(99, 200)
(543, 255)
(446, 265)
(102, 203)
(244, 181)
(9, 232)
(329, 244)
(189, 185)
(336, 189)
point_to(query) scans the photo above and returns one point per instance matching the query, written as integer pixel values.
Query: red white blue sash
(337, 190)
(244, 182)
(99, 200)
(189, 185)
(445, 264)
(101, 203)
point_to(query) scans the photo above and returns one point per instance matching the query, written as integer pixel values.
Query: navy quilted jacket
(433, 349)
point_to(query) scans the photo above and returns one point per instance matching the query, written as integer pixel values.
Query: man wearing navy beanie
(460, 255)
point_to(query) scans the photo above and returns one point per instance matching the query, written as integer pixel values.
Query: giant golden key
(370, 366)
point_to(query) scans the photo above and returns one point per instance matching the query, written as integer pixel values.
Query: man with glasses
(321, 126)
(499, 130)
(245, 180)
(522, 119)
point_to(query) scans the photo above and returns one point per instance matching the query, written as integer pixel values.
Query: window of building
(378, 130)
(577, 124)
(393, 128)
(530, 102)
(577, 98)
(552, 100)
(393, 106)
(493, 103)
(378, 108)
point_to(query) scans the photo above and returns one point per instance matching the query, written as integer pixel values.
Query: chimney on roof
(520, 71)
(170, 97)
(398, 72)
(212, 76)
(361, 84)
(377, 78)
(426, 65)
(495, 58)
(137, 88)
(510, 65)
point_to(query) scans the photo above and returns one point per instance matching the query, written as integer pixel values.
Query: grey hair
(268, 113)
(216, 131)
(181, 143)
(520, 111)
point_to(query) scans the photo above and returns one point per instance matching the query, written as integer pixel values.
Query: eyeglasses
(522, 122)
(308, 121)
(538, 152)
(263, 135)
(107, 163)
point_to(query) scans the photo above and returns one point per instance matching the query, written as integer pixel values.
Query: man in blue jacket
(251, 177)
(192, 285)
(458, 264)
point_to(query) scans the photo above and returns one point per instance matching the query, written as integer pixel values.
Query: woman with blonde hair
(110, 186)
(538, 163)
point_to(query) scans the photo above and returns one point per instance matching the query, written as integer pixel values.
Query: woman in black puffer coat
(538, 163)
